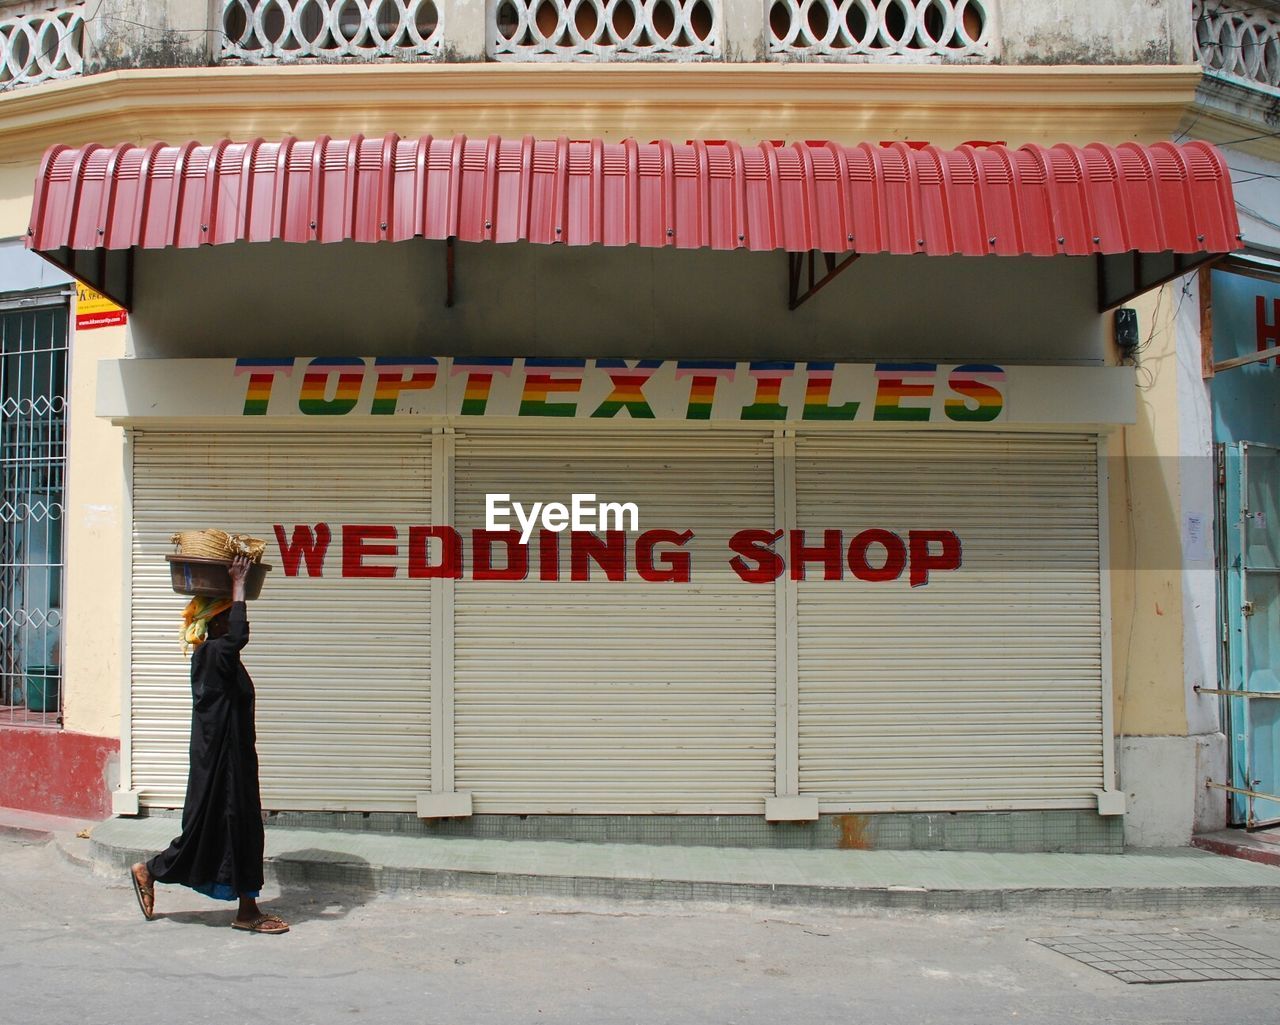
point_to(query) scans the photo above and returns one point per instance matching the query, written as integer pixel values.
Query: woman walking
(220, 850)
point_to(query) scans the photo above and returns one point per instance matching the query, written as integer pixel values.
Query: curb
(74, 851)
(1245, 852)
(29, 834)
(360, 875)
(61, 831)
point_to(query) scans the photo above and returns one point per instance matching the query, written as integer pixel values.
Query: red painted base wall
(56, 772)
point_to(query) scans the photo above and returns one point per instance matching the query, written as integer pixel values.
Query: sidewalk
(1167, 881)
(32, 825)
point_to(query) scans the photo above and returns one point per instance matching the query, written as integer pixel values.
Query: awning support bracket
(1123, 277)
(795, 268)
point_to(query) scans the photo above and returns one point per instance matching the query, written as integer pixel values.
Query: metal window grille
(33, 431)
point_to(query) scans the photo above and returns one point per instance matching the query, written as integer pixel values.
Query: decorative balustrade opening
(269, 31)
(41, 46)
(866, 29)
(540, 30)
(1240, 39)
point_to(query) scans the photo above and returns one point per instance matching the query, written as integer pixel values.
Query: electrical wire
(1255, 174)
(1131, 523)
(1260, 8)
(1250, 138)
(1260, 218)
(1189, 129)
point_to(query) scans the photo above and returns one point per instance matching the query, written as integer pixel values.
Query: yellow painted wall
(96, 531)
(1146, 540)
(16, 181)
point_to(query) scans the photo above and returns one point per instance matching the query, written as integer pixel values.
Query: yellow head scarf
(195, 619)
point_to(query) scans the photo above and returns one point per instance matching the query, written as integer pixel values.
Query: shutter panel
(983, 689)
(341, 666)
(618, 697)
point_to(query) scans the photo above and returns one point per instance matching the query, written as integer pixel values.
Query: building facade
(911, 525)
(1230, 415)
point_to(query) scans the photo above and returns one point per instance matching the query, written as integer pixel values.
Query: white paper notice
(1195, 539)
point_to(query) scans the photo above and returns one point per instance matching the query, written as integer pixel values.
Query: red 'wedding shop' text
(757, 556)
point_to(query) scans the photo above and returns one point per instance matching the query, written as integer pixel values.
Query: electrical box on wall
(1126, 328)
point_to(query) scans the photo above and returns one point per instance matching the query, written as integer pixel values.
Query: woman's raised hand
(239, 570)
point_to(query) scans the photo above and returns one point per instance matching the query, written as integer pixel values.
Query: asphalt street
(74, 949)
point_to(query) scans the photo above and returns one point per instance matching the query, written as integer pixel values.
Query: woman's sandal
(146, 895)
(257, 924)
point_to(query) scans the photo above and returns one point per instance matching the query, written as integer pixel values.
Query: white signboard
(457, 389)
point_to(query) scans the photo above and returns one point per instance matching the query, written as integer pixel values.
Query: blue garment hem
(221, 891)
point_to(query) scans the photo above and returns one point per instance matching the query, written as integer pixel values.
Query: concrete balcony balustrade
(46, 40)
(40, 43)
(281, 31)
(1239, 40)
(541, 30)
(880, 30)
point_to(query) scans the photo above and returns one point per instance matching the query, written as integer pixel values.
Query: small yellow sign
(93, 309)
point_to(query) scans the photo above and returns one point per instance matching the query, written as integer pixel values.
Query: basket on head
(251, 548)
(204, 544)
(218, 544)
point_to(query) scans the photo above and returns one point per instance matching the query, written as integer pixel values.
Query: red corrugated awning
(971, 201)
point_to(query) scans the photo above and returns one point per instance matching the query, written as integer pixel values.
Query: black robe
(220, 850)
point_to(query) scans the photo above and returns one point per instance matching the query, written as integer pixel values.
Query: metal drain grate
(1165, 957)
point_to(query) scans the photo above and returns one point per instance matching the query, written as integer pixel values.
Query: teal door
(1251, 543)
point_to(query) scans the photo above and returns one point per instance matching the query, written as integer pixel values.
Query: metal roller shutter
(341, 666)
(617, 697)
(983, 689)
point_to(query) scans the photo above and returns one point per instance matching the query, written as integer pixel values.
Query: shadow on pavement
(319, 885)
(315, 886)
